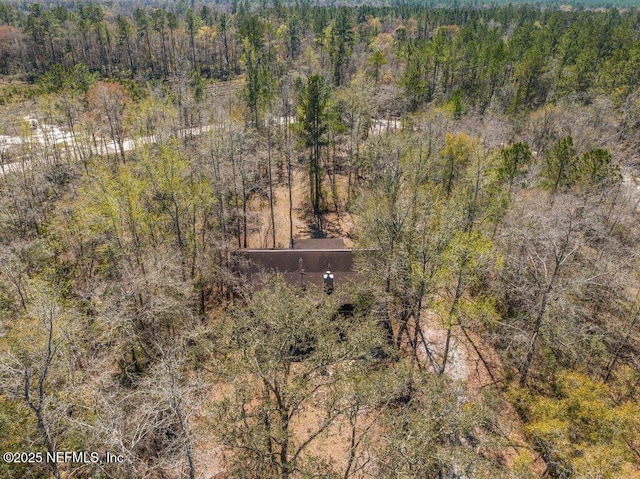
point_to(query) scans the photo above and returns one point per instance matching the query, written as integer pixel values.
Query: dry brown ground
(304, 224)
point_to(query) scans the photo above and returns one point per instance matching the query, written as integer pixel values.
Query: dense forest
(484, 159)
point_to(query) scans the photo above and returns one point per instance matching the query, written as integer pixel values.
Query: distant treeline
(511, 56)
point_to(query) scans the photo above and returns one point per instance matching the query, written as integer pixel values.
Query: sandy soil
(304, 224)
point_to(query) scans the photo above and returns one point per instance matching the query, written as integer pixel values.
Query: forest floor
(305, 224)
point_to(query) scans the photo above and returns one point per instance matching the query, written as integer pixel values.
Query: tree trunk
(273, 220)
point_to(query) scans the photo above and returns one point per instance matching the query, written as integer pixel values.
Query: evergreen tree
(340, 44)
(313, 117)
(559, 165)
